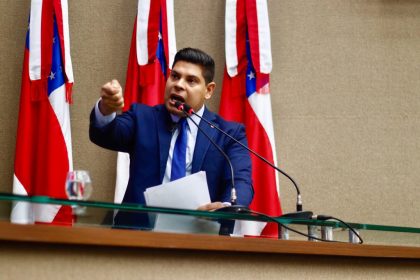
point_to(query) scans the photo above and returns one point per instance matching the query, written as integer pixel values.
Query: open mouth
(175, 97)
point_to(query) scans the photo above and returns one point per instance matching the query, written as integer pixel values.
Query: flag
(152, 51)
(246, 99)
(43, 146)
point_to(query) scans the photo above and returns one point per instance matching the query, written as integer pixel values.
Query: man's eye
(174, 76)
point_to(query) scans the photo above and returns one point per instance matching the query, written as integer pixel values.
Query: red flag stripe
(241, 35)
(153, 30)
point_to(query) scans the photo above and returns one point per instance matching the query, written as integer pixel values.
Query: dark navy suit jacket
(145, 133)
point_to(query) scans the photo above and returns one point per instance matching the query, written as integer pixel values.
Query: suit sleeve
(118, 135)
(241, 162)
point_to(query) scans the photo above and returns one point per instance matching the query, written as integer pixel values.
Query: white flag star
(52, 76)
(251, 75)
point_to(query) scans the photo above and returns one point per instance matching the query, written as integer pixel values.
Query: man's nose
(179, 85)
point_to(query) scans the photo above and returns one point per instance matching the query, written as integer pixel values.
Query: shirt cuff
(102, 120)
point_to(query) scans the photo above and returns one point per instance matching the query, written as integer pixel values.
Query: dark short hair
(196, 56)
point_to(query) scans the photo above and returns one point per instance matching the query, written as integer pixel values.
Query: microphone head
(188, 109)
(179, 105)
(184, 107)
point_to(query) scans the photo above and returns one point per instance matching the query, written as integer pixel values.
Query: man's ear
(210, 90)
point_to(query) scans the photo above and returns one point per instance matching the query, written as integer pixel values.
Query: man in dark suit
(149, 135)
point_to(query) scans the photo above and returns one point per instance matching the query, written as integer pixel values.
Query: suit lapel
(165, 128)
(202, 143)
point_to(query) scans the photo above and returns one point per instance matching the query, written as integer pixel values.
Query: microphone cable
(348, 226)
(316, 217)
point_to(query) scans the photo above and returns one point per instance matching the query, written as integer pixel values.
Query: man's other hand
(112, 99)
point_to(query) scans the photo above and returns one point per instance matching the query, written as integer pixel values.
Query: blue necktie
(180, 151)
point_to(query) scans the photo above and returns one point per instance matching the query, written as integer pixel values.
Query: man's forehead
(188, 68)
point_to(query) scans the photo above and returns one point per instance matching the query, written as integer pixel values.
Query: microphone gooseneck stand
(234, 207)
(299, 214)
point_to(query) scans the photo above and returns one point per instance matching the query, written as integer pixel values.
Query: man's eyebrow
(193, 76)
(187, 76)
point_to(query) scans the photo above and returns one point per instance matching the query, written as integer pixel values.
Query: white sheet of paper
(186, 193)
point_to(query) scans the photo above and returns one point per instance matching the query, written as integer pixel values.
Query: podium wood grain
(142, 239)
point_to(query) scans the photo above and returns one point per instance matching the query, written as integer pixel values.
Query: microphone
(233, 197)
(184, 107)
(299, 214)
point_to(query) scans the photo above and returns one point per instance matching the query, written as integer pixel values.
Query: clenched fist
(112, 99)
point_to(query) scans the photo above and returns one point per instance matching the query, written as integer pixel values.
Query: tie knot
(183, 124)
